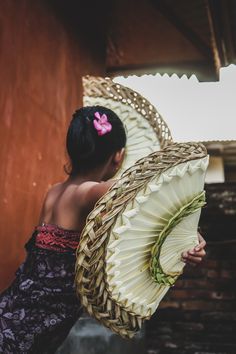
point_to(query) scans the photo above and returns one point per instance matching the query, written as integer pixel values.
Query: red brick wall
(44, 53)
(198, 315)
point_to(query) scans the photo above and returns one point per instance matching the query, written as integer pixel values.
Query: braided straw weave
(146, 130)
(91, 278)
(107, 89)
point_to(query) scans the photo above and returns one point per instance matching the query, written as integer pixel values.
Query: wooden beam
(221, 17)
(213, 10)
(183, 28)
(227, 8)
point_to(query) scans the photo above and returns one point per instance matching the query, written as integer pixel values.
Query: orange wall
(42, 60)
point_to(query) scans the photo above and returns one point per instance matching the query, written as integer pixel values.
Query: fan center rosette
(130, 250)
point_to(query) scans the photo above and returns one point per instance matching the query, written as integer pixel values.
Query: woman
(39, 308)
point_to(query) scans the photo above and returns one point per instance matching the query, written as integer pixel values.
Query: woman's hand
(194, 256)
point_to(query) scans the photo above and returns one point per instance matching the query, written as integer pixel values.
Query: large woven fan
(130, 250)
(146, 130)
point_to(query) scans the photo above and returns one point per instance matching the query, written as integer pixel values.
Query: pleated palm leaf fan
(130, 250)
(145, 128)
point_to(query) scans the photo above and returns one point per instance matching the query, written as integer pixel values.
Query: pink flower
(101, 124)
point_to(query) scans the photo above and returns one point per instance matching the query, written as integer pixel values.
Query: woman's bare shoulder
(96, 188)
(90, 192)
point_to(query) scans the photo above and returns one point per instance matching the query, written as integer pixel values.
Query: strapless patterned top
(53, 237)
(56, 238)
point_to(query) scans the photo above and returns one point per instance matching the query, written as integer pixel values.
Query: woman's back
(65, 205)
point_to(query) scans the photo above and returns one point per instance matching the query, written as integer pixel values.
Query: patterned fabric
(61, 241)
(39, 308)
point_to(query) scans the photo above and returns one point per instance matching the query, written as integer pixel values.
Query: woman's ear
(119, 156)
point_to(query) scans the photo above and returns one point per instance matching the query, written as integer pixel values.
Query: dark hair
(85, 147)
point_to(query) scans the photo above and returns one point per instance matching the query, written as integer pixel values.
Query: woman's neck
(95, 175)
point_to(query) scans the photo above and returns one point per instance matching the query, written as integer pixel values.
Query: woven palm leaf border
(106, 88)
(90, 279)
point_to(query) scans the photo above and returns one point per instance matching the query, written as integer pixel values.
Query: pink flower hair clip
(101, 124)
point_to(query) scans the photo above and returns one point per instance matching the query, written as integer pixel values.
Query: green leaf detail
(156, 270)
